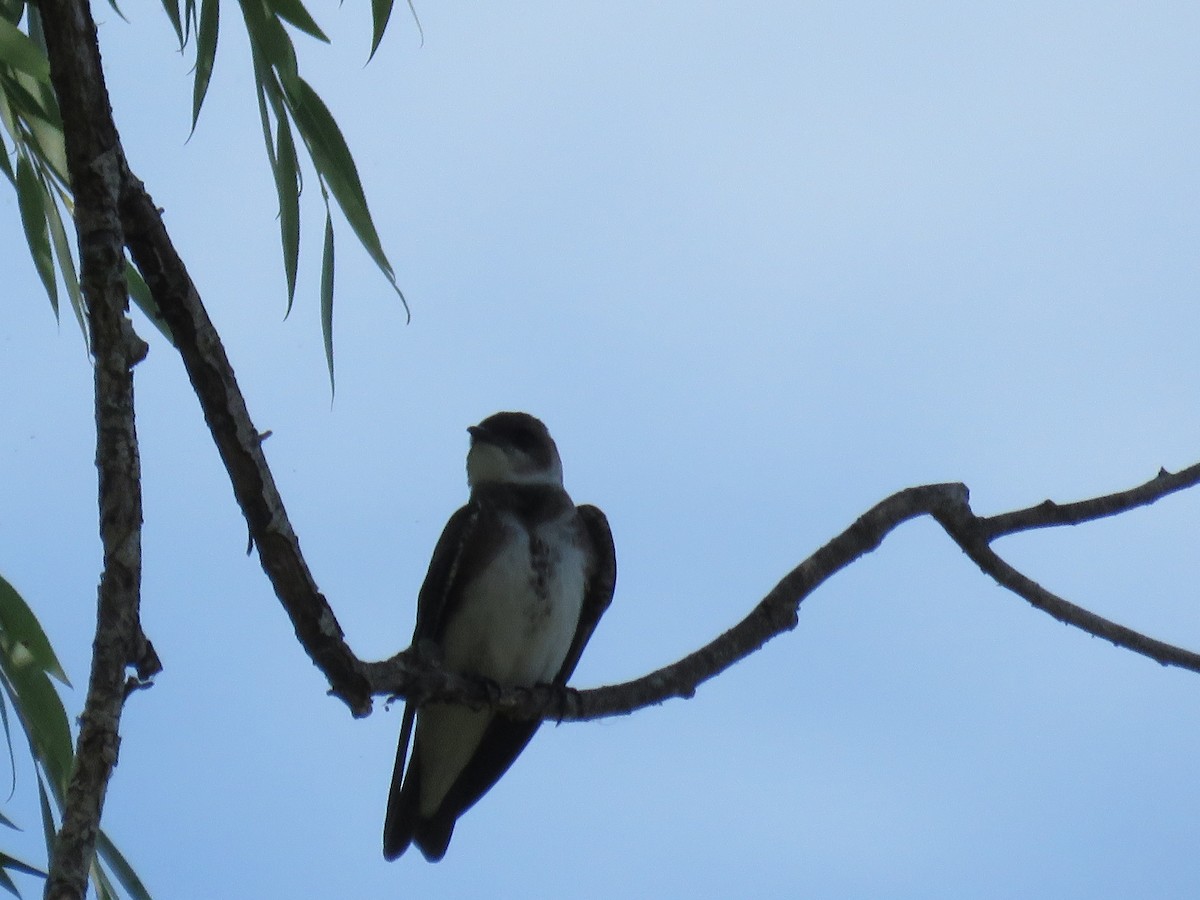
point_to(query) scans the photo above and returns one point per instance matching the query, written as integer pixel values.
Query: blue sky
(757, 267)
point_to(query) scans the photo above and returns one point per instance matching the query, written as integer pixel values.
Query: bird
(517, 583)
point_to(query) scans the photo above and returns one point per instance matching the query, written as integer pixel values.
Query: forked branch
(947, 504)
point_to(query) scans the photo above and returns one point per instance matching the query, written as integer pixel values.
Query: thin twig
(970, 534)
(1048, 514)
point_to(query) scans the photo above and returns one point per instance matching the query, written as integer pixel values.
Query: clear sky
(757, 266)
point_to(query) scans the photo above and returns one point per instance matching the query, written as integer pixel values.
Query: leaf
(270, 38)
(334, 162)
(189, 19)
(7, 883)
(104, 888)
(20, 52)
(47, 813)
(117, 10)
(327, 296)
(139, 293)
(285, 167)
(41, 712)
(31, 198)
(30, 114)
(171, 7)
(12, 756)
(47, 141)
(10, 862)
(20, 626)
(206, 54)
(287, 186)
(120, 867)
(381, 12)
(293, 11)
(25, 95)
(66, 262)
(5, 165)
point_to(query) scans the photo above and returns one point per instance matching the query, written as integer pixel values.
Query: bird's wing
(436, 601)
(440, 589)
(602, 581)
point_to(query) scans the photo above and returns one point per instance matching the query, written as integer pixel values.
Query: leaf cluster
(36, 166)
(28, 668)
(294, 119)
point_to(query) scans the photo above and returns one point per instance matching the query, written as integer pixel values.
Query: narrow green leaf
(171, 8)
(11, 862)
(20, 52)
(66, 262)
(333, 160)
(270, 38)
(7, 883)
(189, 20)
(7, 116)
(47, 141)
(381, 12)
(294, 11)
(264, 81)
(206, 54)
(5, 820)
(30, 113)
(47, 814)
(12, 756)
(41, 713)
(285, 167)
(19, 626)
(327, 296)
(25, 95)
(120, 867)
(104, 888)
(31, 198)
(287, 186)
(139, 293)
(5, 165)
(117, 10)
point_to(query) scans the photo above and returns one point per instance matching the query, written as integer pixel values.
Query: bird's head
(512, 448)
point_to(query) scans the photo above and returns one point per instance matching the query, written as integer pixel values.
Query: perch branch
(776, 613)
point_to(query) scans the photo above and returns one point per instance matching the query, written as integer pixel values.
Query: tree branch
(239, 444)
(1048, 514)
(970, 534)
(93, 156)
(776, 613)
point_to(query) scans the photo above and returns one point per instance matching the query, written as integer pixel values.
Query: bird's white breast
(517, 618)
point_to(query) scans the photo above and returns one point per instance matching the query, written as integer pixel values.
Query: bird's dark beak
(478, 433)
